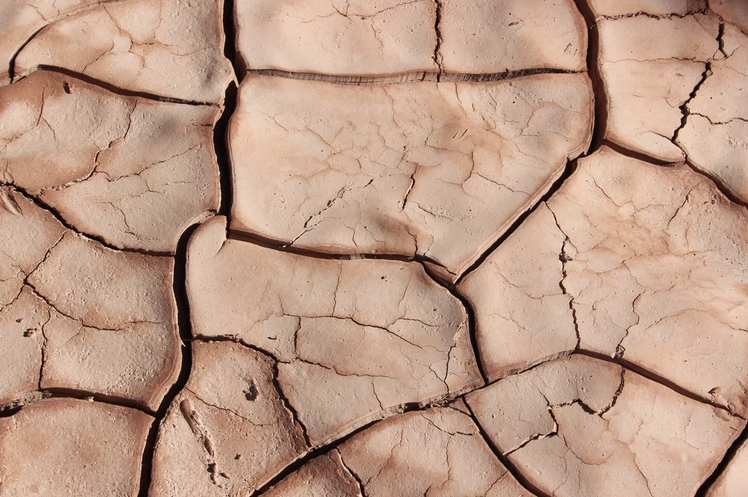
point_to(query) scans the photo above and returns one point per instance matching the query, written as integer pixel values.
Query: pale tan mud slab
(715, 135)
(437, 452)
(72, 448)
(229, 430)
(131, 171)
(394, 36)
(167, 48)
(438, 170)
(652, 264)
(586, 427)
(650, 67)
(353, 339)
(81, 316)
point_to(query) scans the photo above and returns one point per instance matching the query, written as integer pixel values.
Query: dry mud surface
(374, 248)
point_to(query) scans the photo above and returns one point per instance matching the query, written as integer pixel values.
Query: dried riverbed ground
(388, 248)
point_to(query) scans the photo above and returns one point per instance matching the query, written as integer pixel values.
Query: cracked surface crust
(374, 248)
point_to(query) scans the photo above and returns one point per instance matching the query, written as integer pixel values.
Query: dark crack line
(633, 154)
(334, 444)
(361, 487)
(563, 258)
(571, 166)
(184, 327)
(110, 87)
(49, 22)
(656, 378)
(685, 112)
(286, 246)
(438, 58)
(593, 70)
(723, 189)
(41, 204)
(719, 184)
(223, 151)
(470, 313)
(410, 77)
(288, 406)
(723, 464)
(229, 46)
(73, 393)
(508, 464)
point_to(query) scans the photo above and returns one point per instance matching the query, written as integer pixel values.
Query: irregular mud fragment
(357, 37)
(650, 67)
(74, 448)
(101, 321)
(734, 481)
(354, 339)
(168, 48)
(715, 135)
(587, 427)
(229, 430)
(132, 171)
(438, 170)
(650, 267)
(436, 452)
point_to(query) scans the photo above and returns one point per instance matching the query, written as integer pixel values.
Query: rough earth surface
(390, 248)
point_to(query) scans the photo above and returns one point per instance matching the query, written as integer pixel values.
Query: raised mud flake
(399, 36)
(438, 170)
(169, 48)
(72, 448)
(131, 171)
(650, 68)
(229, 430)
(105, 319)
(587, 427)
(354, 339)
(653, 262)
(436, 452)
(715, 134)
(734, 481)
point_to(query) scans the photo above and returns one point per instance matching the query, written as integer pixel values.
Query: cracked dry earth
(374, 248)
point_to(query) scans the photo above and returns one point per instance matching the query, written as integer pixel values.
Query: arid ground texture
(374, 248)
